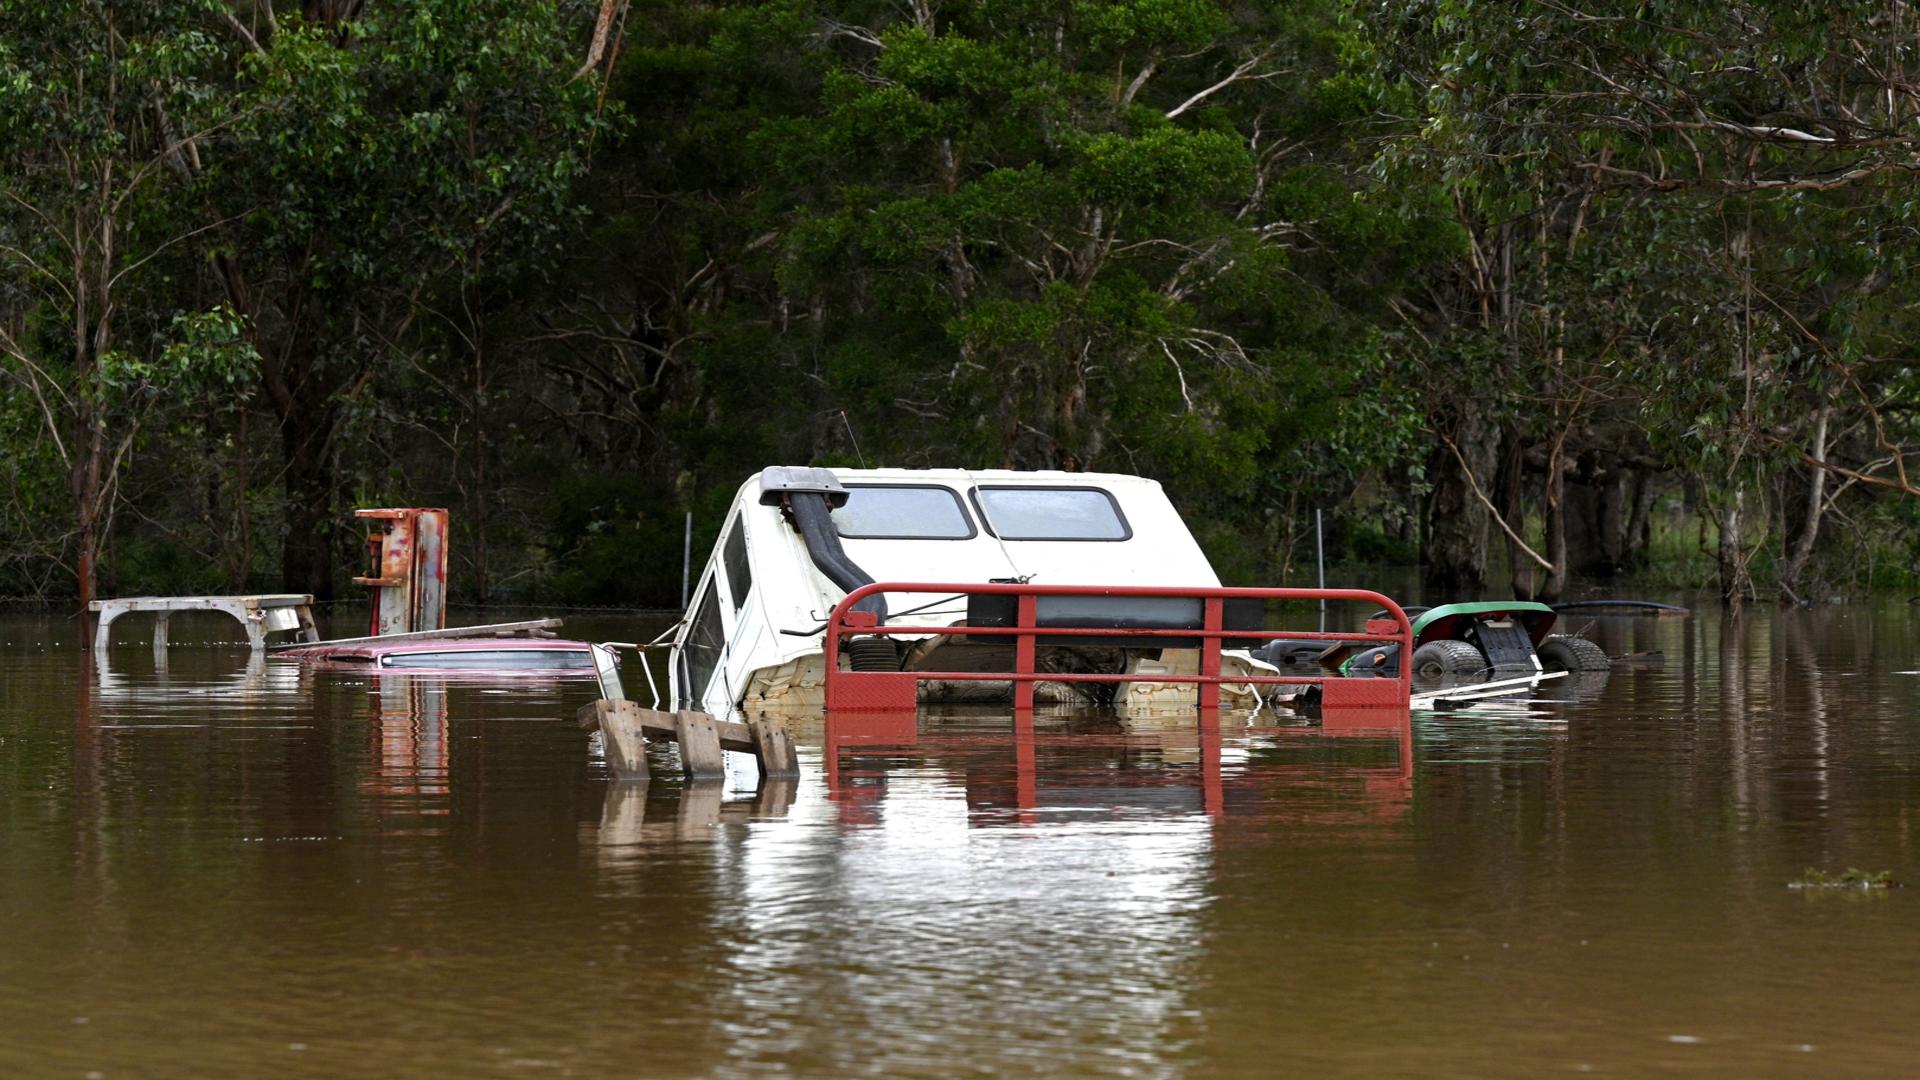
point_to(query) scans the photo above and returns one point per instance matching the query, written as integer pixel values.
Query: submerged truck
(797, 541)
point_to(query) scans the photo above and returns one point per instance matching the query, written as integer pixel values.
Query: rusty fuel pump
(407, 551)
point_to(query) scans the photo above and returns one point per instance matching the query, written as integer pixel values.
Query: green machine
(1496, 637)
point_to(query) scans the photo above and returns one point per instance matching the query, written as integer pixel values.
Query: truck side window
(739, 574)
(705, 640)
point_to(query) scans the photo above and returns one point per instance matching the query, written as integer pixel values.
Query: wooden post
(625, 741)
(773, 749)
(700, 754)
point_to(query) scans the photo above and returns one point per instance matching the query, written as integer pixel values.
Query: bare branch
(1716, 183)
(33, 386)
(1238, 74)
(601, 26)
(246, 35)
(167, 243)
(1139, 80)
(1179, 373)
(1488, 503)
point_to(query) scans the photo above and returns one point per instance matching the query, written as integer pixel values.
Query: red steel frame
(863, 690)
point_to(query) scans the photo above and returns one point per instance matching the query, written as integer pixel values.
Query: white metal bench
(260, 615)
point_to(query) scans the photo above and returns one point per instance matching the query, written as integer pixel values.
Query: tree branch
(1716, 183)
(601, 25)
(1235, 76)
(1488, 503)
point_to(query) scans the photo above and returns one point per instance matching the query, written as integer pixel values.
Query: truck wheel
(1448, 657)
(1573, 654)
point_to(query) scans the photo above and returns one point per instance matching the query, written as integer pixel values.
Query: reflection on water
(219, 866)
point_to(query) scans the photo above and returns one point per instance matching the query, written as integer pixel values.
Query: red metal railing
(898, 689)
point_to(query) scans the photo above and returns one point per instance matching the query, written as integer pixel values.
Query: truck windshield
(1056, 513)
(903, 513)
(494, 660)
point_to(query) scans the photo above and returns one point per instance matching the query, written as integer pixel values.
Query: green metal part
(1537, 618)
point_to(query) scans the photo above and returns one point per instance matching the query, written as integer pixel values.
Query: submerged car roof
(465, 656)
(379, 648)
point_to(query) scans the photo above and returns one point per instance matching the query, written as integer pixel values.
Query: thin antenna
(1320, 562)
(686, 561)
(853, 439)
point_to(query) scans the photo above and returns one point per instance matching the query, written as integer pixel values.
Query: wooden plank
(452, 633)
(662, 725)
(700, 755)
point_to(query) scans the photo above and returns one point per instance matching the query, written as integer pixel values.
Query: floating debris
(1852, 878)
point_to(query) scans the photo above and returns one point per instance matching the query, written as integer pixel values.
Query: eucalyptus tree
(1028, 234)
(97, 101)
(1747, 168)
(382, 158)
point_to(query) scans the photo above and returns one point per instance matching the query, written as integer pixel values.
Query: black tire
(1573, 654)
(873, 654)
(1449, 657)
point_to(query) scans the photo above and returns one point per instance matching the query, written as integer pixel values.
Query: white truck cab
(798, 540)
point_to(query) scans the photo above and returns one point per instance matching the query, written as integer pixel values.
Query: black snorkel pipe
(807, 498)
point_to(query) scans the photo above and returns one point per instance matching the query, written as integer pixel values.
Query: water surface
(217, 868)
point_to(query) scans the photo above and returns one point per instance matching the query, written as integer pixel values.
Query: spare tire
(1573, 654)
(1448, 657)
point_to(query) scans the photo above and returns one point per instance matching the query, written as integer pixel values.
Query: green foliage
(1162, 166)
(1264, 253)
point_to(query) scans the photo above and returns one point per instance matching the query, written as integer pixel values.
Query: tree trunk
(87, 458)
(1069, 415)
(1556, 521)
(84, 479)
(306, 559)
(481, 583)
(1512, 487)
(1735, 585)
(1457, 547)
(1639, 536)
(240, 559)
(1793, 578)
(1597, 506)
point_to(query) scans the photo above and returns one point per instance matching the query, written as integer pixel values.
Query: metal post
(1212, 618)
(686, 563)
(1023, 654)
(1320, 562)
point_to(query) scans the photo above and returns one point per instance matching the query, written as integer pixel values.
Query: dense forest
(1533, 294)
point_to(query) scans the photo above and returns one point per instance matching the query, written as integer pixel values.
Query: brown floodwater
(212, 868)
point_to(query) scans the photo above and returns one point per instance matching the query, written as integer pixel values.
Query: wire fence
(65, 605)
